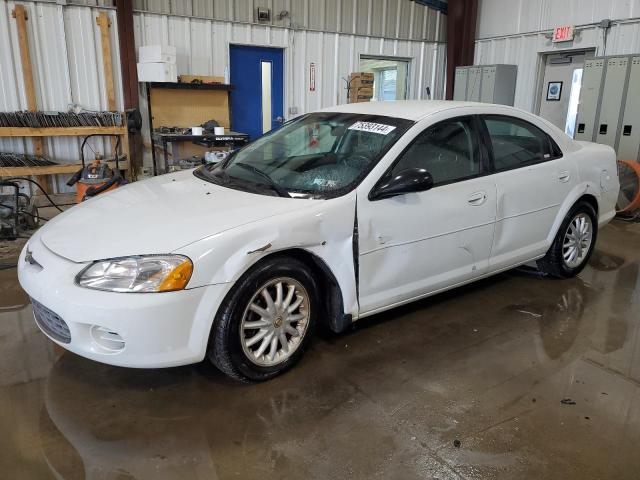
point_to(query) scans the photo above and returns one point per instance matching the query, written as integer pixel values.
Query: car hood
(158, 215)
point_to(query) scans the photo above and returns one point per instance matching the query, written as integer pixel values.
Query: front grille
(51, 323)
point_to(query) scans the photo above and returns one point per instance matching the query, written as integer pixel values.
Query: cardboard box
(355, 96)
(157, 54)
(361, 79)
(157, 72)
(202, 78)
(360, 94)
(368, 90)
(368, 76)
(359, 85)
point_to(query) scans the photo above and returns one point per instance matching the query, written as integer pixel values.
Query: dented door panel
(529, 200)
(418, 243)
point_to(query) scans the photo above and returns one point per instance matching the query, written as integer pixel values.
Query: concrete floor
(468, 384)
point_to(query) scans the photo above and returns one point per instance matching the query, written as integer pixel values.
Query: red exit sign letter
(563, 33)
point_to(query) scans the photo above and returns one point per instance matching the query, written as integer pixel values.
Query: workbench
(186, 105)
(231, 140)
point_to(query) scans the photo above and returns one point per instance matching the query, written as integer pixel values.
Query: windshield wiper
(271, 183)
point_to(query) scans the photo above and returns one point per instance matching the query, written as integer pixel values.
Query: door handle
(477, 198)
(279, 119)
(564, 176)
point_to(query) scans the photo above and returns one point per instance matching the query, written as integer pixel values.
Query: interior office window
(386, 84)
(516, 143)
(448, 151)
(390, 77)
(574, 97)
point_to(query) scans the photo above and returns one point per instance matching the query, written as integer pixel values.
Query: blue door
(257, 100)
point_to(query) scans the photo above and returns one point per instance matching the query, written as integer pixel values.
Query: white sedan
(337, 215)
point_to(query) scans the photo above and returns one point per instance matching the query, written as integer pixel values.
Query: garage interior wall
(67, 57)
(332, 34)
(515, 32)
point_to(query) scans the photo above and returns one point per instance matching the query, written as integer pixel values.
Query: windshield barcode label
(373, 127)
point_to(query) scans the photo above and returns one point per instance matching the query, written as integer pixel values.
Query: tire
(231, 331)
(554, 263)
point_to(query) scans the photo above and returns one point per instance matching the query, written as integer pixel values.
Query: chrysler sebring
(333, 217)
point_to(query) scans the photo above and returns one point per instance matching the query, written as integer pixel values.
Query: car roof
(408, 109)
(416, 110)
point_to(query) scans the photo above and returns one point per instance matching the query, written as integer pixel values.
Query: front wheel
(266, 322)
(574, 243)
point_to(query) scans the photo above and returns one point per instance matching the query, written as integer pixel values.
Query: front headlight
(149, 273)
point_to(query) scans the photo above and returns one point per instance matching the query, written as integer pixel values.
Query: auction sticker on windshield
(373, 127)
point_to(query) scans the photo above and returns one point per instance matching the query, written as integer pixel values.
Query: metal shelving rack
(41, 172)
(198, 102)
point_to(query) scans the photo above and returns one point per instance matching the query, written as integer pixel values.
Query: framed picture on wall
(554, 91)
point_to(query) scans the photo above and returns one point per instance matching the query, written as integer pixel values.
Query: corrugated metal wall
(507, 17)
(203, 49)
(67, 62)
(401, 19)
(514, 32)
(66, 59)
(203, 44)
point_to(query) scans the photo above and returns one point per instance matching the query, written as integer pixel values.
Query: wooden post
(104, 23)
(20, 14)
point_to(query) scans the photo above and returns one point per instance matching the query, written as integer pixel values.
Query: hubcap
(275, 322)
(577, 240)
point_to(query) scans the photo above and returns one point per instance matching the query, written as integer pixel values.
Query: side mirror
(407, 181)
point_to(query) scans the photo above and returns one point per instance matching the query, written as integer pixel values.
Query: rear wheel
(266, 322)
(573, 244)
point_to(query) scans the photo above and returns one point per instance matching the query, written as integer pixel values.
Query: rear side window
(516, 143)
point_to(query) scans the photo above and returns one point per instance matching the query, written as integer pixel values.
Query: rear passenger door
(532, 179)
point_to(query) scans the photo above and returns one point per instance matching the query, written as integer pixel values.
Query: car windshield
(320, 155)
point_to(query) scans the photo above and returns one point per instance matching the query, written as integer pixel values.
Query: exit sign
(563, 33)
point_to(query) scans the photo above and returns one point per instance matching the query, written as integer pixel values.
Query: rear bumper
(152, 329)
(606, 217)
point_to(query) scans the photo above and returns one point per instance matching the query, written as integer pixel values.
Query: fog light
(107, 339)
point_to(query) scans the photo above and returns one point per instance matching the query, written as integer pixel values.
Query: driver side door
(415, 244)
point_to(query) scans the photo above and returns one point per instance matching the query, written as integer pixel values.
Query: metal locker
(629, 142)
(460, 85)
(473, 84)
(611, 103)
(488, 84)
(589, 99)
(504, 90)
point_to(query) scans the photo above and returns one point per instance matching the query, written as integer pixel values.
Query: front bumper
(142, 330)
